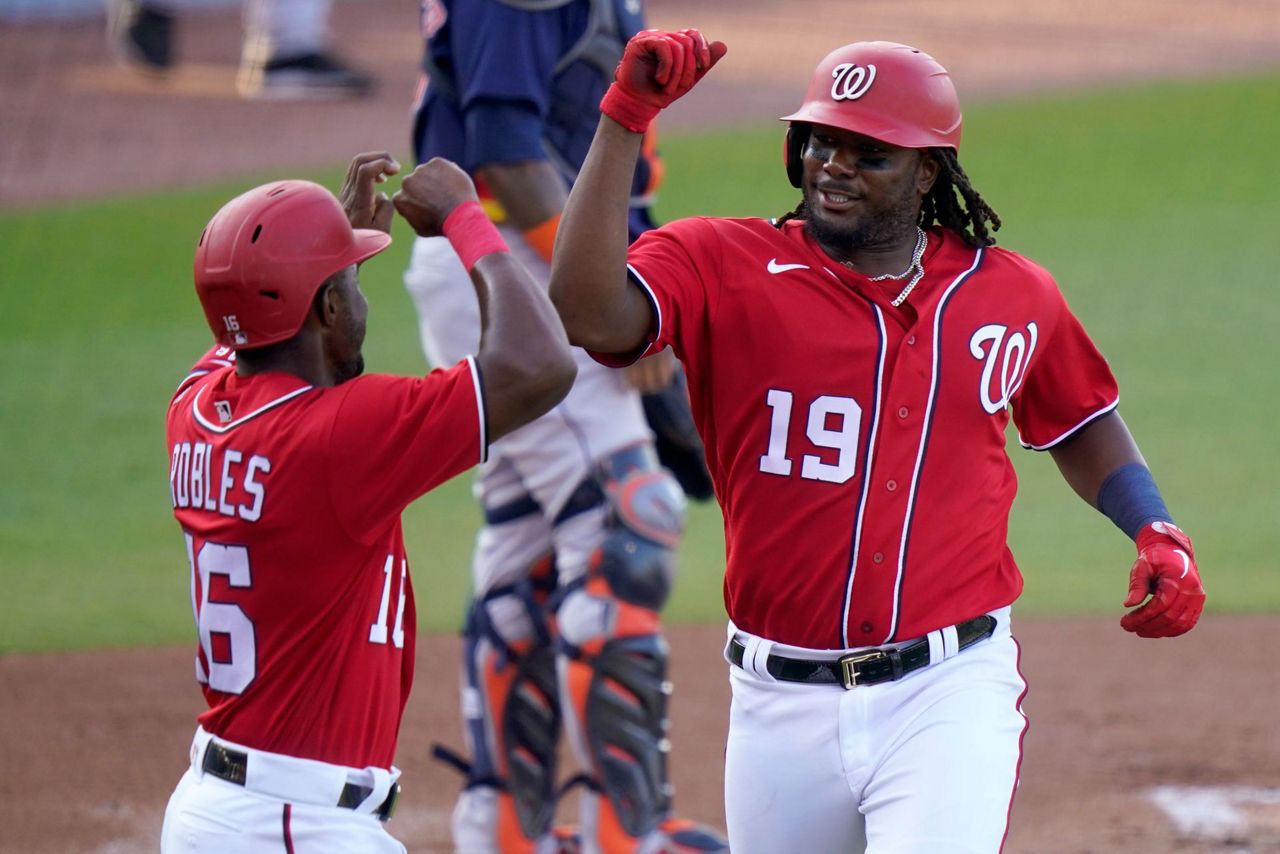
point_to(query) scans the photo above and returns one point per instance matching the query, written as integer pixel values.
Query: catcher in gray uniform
(575, 558)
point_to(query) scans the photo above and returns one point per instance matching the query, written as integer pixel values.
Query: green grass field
(1153, 206)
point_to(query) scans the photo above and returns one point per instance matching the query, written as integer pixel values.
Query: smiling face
(862, 193)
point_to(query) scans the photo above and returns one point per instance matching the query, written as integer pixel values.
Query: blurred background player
(580, 518)
(289, 470)
(286, 52)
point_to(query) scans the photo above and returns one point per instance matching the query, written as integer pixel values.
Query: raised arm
(524, 358)
(589, 286)
(533, 195)
(1103, 465)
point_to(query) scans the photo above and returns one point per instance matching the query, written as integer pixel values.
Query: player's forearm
(524, 358)
(1088, 458)
(531, 192)
(600, 309)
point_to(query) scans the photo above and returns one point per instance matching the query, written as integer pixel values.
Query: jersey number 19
(843, 437)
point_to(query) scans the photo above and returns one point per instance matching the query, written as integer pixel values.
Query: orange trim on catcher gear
(631, 620)
(613, 838)
(511, 838)
(542, 237)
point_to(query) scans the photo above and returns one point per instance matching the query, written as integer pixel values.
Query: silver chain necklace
(915, 270)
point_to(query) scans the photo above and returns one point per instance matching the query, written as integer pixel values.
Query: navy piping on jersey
(657, 310)
(924, 437)
(286, 830)
(224, 428)
(477, 381)
(867, 455)
(1072, 431)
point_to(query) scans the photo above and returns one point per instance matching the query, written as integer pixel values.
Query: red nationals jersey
(857, 449)
(290, 497)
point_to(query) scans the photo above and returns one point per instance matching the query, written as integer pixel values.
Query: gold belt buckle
(849, 666)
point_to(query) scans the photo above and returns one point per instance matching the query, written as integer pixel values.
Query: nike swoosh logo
(775, 268)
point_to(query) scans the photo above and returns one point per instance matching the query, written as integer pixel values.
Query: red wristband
(627, 110)
(472, 234)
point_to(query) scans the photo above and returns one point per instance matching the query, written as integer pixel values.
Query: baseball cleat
(688, 837)
(140, 34)
(312, 76)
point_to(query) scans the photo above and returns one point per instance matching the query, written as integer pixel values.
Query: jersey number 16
(230, 664)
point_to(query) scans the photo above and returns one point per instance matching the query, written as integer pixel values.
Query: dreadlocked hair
(800, 212)
(953, 203)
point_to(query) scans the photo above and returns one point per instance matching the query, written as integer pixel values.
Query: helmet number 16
(833, 423)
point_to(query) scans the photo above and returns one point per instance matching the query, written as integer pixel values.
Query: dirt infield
(92, 743)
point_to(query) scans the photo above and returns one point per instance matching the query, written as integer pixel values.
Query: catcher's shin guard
(511, 714)
(613, 675)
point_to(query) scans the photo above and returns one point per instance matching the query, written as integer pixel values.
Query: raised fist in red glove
(656, 69)
(1165, 569)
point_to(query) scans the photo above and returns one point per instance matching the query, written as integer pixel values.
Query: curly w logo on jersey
(851, 81)
(1006, 360)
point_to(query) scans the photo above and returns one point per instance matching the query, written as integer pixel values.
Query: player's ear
(928, 171)
(326, 306)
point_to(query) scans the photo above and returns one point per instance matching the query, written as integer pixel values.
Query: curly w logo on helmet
(851, 81)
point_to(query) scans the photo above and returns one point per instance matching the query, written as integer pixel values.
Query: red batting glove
(657, 68)
(1166, 569)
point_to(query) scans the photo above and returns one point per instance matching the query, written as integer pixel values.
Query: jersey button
(891, 485)
(903, 412)
(878, 557)
(867, 628)
(911, 341)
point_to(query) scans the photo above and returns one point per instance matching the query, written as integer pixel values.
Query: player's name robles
(221, 482)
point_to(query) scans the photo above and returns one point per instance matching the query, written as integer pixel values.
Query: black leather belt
(231, 765)
(868, 666)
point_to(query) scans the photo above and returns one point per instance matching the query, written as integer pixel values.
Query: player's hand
(364, 207)
(429, 194)
(657, 68)
(652, 373)
(1165, 570)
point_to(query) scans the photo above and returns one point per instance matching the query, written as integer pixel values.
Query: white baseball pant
(286, 804)
(924, 765)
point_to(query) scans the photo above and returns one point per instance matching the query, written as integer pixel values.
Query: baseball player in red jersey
(288, 474)
(852, 368)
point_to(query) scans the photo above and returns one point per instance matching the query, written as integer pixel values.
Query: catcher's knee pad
(643, 526)
(511, 715)
(629, 574)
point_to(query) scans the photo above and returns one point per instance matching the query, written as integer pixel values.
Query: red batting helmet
(264, 255)
(884, 90)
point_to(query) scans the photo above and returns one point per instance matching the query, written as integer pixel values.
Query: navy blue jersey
(517, 80)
